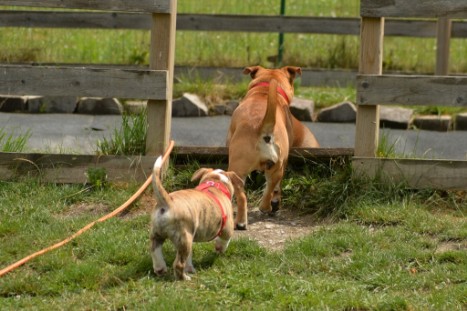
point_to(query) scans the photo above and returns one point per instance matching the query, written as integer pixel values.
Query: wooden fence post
(162, 54)
(371, 60)
(443, 37)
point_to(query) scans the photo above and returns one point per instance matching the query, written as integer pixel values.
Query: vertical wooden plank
(371, 62)
(162, 56)
(443, 37)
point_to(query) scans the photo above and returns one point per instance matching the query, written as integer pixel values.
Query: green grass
(386, 248)
(130, 139)
(12, 143)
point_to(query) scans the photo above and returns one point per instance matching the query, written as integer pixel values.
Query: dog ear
(252, 70)
(293, 72)
(200, 173)
(237, 182)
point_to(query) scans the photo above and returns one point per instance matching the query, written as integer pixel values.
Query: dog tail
(269, 120)
(162, 197)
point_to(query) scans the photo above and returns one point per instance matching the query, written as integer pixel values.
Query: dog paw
(240, 227)
(190, 269)
(160, 271)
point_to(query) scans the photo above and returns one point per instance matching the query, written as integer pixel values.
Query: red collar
(205, 186)
(279, 89)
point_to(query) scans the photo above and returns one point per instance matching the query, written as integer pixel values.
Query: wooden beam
(412, 90)
(415, 173)
(152, 6)
(371, 60)
(63, 168)
(162, 56)
(59, 168)
(244, 23)
(82, 81)
(413, 8)
(443, 38)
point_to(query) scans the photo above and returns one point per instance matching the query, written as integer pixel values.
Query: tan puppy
(193, 215)
(261, 132)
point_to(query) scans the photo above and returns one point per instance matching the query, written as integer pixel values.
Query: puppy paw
(183, 277)
(190, 269)
(160, 271)
(240, 227)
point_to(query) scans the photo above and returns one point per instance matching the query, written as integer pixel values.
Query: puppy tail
(162, 197)
(269, 120)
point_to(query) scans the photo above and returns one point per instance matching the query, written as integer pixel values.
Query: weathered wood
(413, 8)
(412, 90)
(244, 23)
(59, 168)
(294, 152)
(415, 173)
(371, 60)
(82, 81)
(162, 57)
(443, 38)
(155, 6)
(63, 168)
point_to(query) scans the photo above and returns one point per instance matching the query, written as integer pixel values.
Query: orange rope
(89, 226)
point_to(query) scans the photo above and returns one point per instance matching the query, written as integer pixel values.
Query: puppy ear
(237, 182)
(252, 70)
(200, 173)
(293, 72)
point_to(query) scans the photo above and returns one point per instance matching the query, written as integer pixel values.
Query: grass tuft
(130, 139)
(13, 143)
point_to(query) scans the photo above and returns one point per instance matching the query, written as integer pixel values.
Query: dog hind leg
(158, 261)
(270, 202)
(184, 249)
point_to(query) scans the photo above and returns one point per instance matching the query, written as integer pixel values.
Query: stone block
(302, 109)
(189, 105)
(52, 104)
(344, 112)
(460, 123)
(12, 103)
(433, 123)
(395, 117)
(99, 106)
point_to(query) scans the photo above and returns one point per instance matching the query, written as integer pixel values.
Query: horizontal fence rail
(159, 6)
(83, 81)
(64, 168)
(413, 8)
(412, 90)
(204, 22)
(416, 173)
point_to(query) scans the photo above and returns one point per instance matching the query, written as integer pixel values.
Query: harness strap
(205, 186)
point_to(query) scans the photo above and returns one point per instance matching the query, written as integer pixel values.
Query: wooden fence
(375, 88)
(246, 23)
(153, 84)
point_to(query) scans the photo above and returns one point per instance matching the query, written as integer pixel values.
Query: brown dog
(192, 215)
(261, 132)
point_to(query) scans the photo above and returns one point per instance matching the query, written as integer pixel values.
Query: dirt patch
(272, 232)
(78, 209)
(451, 246)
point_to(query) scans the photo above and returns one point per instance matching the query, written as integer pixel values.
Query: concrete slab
(78, 134)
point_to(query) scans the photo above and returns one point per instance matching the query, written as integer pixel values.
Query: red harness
(279, 90)
(205, 186)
